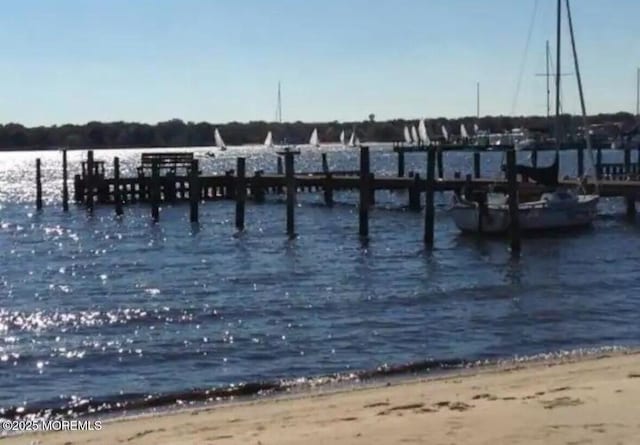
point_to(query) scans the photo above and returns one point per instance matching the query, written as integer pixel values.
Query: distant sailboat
(476, 129)
(422, 132)
(445, 133)
(313, 140)
(268, 142)
(342, 140)
(463, 132)
(407, 135)
(352, 139)
(219, 141)
(414, 134)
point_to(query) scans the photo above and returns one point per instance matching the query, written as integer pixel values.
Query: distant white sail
(476, 129)
(218, 140)
(445, 133)
(352, 139)
(422, 132)
(342, 137)
(414, 134)
(357, 143)
(268, 142)
(407, 135)
(463, 132)
(313, 140)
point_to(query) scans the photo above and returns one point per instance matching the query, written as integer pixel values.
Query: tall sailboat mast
(279, 106)
(558, 67)
(548, 81)
(638, 95)
(585, 123)
(478, 100)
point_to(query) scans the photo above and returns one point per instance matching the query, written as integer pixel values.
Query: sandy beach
(593, 400)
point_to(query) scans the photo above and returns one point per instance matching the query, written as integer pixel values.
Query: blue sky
(220, 60)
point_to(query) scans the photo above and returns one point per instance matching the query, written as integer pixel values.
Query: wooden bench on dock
(167, 162)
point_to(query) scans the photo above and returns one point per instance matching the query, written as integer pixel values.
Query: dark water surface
(99, 307)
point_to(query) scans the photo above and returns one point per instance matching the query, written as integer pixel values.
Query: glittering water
(93, 307)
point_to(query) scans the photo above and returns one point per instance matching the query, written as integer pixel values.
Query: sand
(593, 400)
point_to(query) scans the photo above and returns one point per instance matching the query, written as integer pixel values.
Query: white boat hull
(546, 214)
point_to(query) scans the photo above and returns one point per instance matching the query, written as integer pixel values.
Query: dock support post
(429, 210)
(365, 194)
(155, 191)
(514, 220)
(241, 193)
(38, 185)
(599, 163)
(258, 192)
(476, 164)
(328, 190)
(440, 165)
(414, 194)
(89, 181)
(279, 168)
(325, 163)
(65, 186)
(400, 162)
(117, 197)
(534, 157)
(194, 191)
(580, 161)
(631, 206)
(627, 161)
(291, 192)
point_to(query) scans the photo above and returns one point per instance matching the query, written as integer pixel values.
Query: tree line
(176, 133)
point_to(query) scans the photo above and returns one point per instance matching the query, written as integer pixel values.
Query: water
(100, 307)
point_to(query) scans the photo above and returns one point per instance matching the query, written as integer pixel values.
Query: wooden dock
(176, 177)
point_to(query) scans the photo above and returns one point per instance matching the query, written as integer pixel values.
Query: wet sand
(592, 400)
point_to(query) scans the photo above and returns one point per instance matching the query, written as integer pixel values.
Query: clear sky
(220, 60)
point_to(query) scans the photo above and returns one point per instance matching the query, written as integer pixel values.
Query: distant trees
(177, 133)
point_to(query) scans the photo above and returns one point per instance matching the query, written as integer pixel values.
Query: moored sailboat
(558, 208)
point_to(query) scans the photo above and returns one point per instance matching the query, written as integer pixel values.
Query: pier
(176, 177)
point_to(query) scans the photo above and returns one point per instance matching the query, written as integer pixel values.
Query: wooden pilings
(38, 185)
(194, 191)
(328, 190)
(258, 193)
(440, 164)
(117, 198)
(400, 163)
(514, 217)
(325, 163)
(599, 163)
(429, 210)
(630, 201)
(365, 193)
(414, 194)
(241, 193)
(89, 182)
(627, 160)
(279, 169)
(580, 162)
(289, 171)
(476, 164)
(155, 191)
(65, 186)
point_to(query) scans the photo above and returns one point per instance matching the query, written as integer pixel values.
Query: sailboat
(342, 140)
(560, 208)
(414, 134)
(352, 139)
(422, 133)
(445, 134)
(463, 132)
(313, 140)
(407, 135)
(268, 142)
(218, 140)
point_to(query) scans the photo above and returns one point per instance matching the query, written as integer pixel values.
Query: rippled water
(95, 307)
